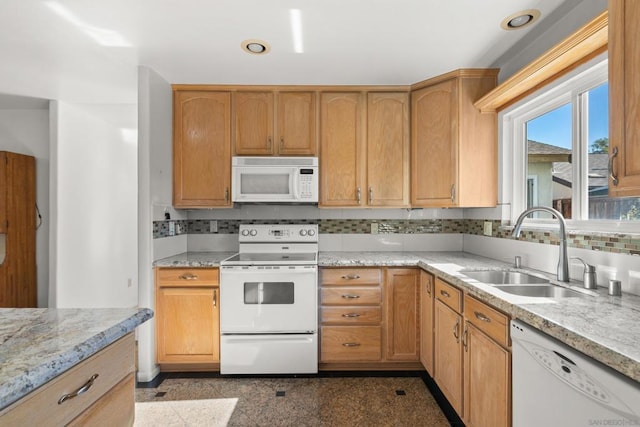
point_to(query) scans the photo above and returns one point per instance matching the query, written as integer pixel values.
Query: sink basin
(501, 277)
(549, 291)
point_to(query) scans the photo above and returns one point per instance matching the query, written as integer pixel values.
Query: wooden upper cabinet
(342, 146)
(453, 145)
(624, 97)
(202, 149)
(271, 123)
(296, 124)
(388, 149)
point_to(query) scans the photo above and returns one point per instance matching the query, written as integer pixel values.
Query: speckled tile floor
(349, 401)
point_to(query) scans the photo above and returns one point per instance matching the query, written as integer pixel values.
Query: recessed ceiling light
(520, 19)
(256, 47)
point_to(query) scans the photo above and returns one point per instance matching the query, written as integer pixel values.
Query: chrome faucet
(563, 261)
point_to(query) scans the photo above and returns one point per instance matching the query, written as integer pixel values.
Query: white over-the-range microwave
(274, 179)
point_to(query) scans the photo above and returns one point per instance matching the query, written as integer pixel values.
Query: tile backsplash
(614, 242)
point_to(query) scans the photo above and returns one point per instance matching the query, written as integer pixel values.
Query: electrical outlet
(213, 226)
(488, 228)
(172, 228)
(374, 228)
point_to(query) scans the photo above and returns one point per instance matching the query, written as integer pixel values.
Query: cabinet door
(448, 354)
(296, 123)
(402, 292)
(434, 124)
(487, 381)
(426, 321)
(388, 149)
(254, 123)
(202, 149)
(342, 159)
(624, 97)
(187, 325)
(4, 187)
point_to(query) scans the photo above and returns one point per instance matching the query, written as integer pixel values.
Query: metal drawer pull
(614, 178)
(482, 317)
(85, 388)
(351, 277)
(351, 315)
(350, 296)
(445, 293)
(351, 344)
(188, 276)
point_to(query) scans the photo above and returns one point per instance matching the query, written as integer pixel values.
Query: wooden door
(202, 149)
(426, 321)
(434, 139)
(487, 381)
(388, 149)
(187, 325)
(296, 124)
(448, 354)
(342, 157)
(402, 291)
(624, 97)
(254, 123)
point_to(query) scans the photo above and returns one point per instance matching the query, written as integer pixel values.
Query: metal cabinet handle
(370, 194)
(226, 194)
(614, 154)
(456, 330)
(351, 315)
(358, 195)
(453, 192)
(350, 277)
(445, 293)
(351, 344)
(482, 317)
(281, 142)
(85, 388)
(215, 297)
(269, 143)
(188, 276)
(465, 334)
(350, 296)
(428, 287)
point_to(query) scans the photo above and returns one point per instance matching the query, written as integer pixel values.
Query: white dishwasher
(555, 385)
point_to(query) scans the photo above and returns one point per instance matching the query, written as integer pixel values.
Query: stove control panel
(278, 233)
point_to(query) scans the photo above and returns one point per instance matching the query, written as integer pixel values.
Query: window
(558, 141)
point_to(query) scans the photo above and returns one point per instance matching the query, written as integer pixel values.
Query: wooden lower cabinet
(448, 354)
(187, 319)
(426, 321)
(402, 290)
(109, 401)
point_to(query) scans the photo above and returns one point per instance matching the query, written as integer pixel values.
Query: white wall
(94, 205)
(155, 194)
(26, 131)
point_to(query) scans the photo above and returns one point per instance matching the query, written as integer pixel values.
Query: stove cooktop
(310, 258)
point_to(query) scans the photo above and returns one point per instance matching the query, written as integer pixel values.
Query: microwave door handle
(294, 177)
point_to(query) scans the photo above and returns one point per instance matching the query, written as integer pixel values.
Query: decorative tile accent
(614, 243)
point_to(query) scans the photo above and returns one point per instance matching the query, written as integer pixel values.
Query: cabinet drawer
(350, 343)
(487, 319)
(448, 294)
(351, 296)
(347, 315)
(170, 277)
(350, 276)
(41, 407)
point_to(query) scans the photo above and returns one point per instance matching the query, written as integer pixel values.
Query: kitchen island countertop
(38, 344)
(603, 327)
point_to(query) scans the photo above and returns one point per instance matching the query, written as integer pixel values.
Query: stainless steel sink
(501, 277)
(548, 291)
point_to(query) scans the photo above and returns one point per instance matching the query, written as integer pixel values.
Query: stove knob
(303, 232)
(245, 232)
(253, 232)
(311, 232)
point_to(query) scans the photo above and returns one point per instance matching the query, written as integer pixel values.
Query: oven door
(268, 299)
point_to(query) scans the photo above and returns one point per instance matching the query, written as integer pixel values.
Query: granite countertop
(38, 344)
(603, 327)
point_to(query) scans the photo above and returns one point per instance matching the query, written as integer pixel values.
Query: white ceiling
(89, 50)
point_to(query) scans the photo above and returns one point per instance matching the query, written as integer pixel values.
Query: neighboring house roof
(539, 152)
(598, 171)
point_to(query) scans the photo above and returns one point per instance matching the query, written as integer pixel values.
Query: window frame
(570, 88)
